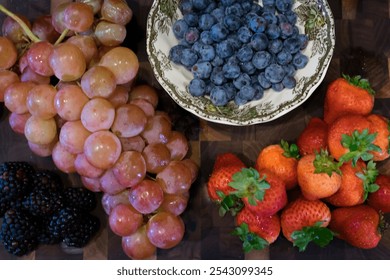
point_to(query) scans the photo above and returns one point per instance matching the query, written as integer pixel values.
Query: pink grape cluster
(71, 90)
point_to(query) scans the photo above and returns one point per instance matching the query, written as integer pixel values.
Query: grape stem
(63, 35)
(22, 24)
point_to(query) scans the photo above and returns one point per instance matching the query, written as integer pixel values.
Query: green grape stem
(22, 24)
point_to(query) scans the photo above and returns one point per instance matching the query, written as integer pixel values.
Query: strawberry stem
(325, 163)
(229, 203)
(22, 24)
(251, 241)
(358, 81)
(290, 150)
(360, 144)
(247, 183)
(316, 233)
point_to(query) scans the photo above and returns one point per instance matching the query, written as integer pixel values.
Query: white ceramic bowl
(175, 78)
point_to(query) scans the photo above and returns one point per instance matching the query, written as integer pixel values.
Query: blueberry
(219, 32)
(233, 59)
(257, 24)
(261, 59)
(247, 6)
(185, 6)
(277, 87)
(234, 41)
(245, 53)
(290, 69)
(300, 60)
(286, 30)
(197, 46)
(259, 42)
(263, 81)
(217, 61)
(274, 73)
(284, 57)
(269, 9)
(202, 70)
(284, 5)
(244, 34)
(212, 5)
(258, 9)
(292, 44)
(242, 80)
(259, 91)
(191, 19)
(227, 3)
(281, 18)
(218, 13)
(304, 40)
(249, 16)
(273, 31)
(217, 76)
(205, 37)
(239, 101)
(231, 70)
(230, 89)
(289, 81)
(200, 4)
(191, 35)
(234, 9)
(209, 87)
(197, 87)
(275, 46)
(206, 21)
(270, 18)
(175, 53)
(179, 28)
(247, 92)
(188, 57)
(206, 53)
(248, 67)
(268, 2)
(224, 49)
(219, 96)
(232, 22)
(291, 17)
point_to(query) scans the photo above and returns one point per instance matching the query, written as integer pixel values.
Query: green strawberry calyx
(368, 176)
(358, 81)
(325, 163)
(248, 184)
(229, 203)
(320, 235)
(360, 145)
(290, 150)
(250, 240)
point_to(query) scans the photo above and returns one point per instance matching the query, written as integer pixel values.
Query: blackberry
(65, 221)
(15, 182)
(48, 179)
(43, 201)
(45, 236)
(18, 232)
(80, 198)
(83, 232)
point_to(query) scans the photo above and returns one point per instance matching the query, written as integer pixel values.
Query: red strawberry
(225, 159)
(256, 231)
(262, 191)
(358, 225)
(380, 200)
(380, 126)
(313, 138)
(305, 220)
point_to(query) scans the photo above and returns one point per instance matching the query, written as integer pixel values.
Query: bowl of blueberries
(240, 62)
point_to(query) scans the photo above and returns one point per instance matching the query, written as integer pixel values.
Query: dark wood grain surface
(362, 47)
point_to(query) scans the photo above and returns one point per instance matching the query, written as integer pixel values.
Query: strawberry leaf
(360, 82)
(368, 176)
(251, 241)
(319, 235)
(290, 150)
(359, 144)
(325, 163)
(247, 183)
(229, 203)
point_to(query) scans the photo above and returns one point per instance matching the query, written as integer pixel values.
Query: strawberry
(356, 183)
(226, 165)
(348, 95)
(349, 138)
(318, 175)
(314, 137)
(380, 200)
(262, 192)
(282, 160)
(380, 125)
(358, 225)
(256, 232)
(303, 221)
